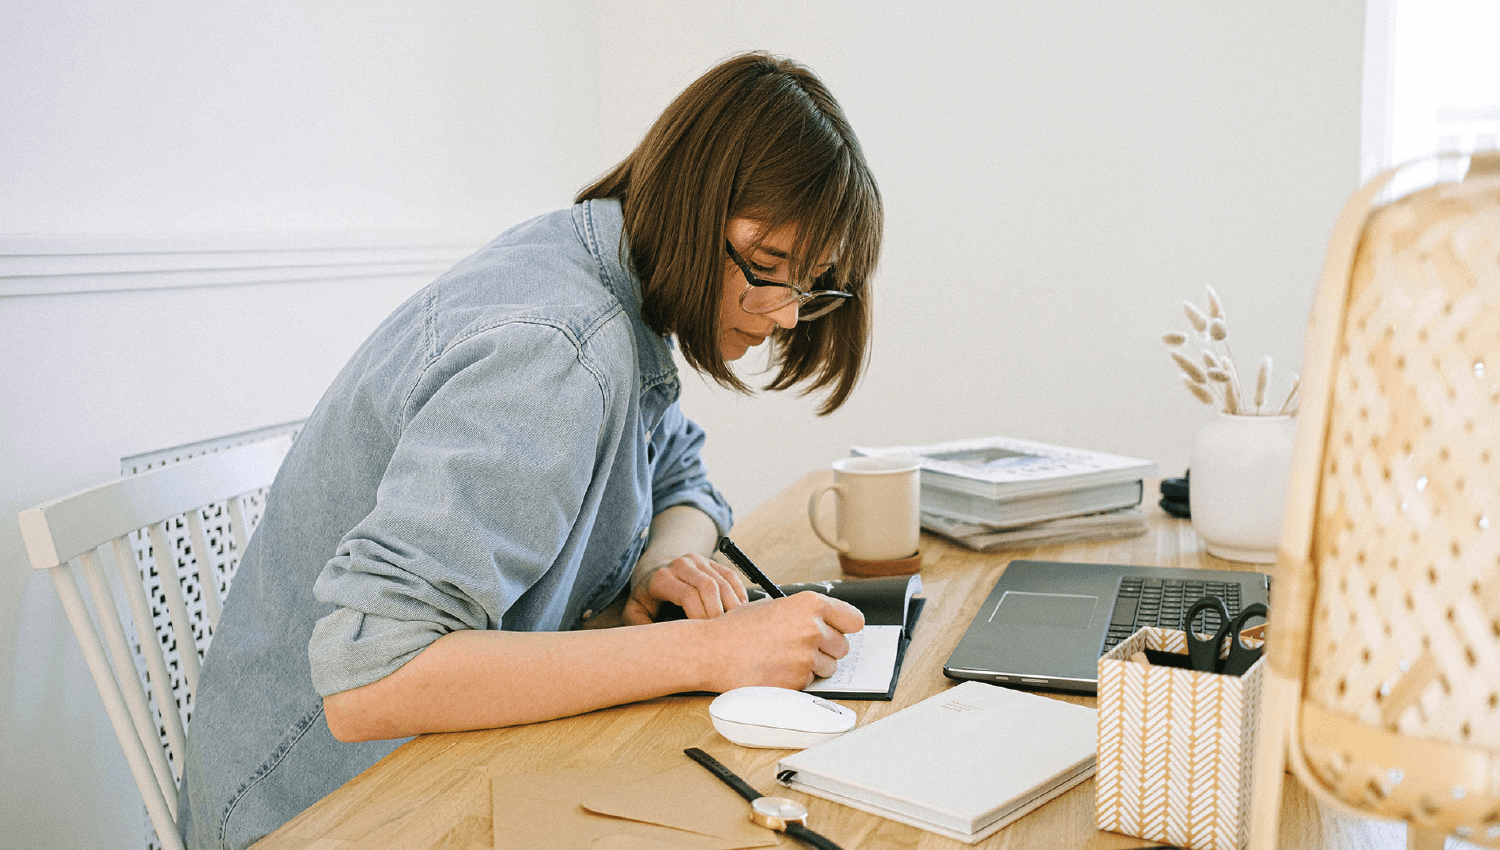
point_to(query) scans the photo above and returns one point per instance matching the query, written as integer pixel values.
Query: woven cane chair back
(1388, 596)
(173, 535)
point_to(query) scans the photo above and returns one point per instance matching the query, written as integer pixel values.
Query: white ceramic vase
(1237, 490)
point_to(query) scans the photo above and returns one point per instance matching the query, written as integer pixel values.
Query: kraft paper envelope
(686, 797)
(645, 811)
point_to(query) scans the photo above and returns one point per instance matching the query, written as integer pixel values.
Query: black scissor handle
(1241, 657)
(1204, 653)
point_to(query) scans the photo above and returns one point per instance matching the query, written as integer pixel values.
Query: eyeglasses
(768, 296)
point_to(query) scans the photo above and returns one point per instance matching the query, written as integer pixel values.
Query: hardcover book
(1027, 510)
(962, 763)
(1000, 468)
(1124, 522)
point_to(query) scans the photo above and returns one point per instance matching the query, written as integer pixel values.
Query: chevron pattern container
(1175, 747)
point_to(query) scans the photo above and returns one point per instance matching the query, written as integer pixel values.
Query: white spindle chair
(67, 536)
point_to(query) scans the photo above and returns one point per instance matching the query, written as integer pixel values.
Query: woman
(504, 459)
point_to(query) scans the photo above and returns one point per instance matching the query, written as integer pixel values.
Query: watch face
(779, 808)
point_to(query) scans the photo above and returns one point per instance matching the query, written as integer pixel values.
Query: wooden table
(434, 790)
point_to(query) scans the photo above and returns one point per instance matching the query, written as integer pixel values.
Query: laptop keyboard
(1162, 602)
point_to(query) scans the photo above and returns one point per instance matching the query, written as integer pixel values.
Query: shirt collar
(601, 223)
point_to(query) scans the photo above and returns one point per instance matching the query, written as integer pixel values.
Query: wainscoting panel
(61, 265)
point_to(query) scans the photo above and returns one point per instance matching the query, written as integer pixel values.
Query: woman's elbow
(347, 719)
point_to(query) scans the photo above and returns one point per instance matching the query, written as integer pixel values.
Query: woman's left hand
(700, 587)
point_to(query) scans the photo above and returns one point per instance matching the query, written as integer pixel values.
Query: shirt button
(644, 532)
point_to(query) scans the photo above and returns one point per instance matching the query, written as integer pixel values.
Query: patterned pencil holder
(1175, 747)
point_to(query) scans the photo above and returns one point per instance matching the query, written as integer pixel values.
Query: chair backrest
(184, 512)
(1386, 605)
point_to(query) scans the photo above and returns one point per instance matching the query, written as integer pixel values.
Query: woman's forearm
(476, 679)
(485, 679)
(677, 531)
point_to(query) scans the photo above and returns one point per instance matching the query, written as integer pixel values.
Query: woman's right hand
(782, 643)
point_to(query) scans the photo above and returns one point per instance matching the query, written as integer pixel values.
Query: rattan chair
(173, 532)
(1384, 653)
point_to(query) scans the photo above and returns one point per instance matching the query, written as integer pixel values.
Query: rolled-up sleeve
(483, 491)
(679, 476)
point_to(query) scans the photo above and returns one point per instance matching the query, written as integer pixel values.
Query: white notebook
(962, 763)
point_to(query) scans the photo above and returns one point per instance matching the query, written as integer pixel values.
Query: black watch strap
(744, 789)
(807, 836)
(740, 786)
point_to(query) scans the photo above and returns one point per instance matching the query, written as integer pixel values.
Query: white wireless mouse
(778, 718)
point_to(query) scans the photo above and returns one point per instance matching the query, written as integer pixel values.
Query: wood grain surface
(434, 791)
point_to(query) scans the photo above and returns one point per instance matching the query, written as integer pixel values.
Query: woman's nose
(786, 317)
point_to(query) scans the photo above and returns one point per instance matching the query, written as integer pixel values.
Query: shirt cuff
(709, 501)
(350, 649)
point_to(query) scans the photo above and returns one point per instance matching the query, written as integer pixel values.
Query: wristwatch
(778, 813)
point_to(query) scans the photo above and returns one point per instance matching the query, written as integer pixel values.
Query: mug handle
(812, 516)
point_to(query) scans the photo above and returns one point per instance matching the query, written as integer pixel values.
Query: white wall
(325, 123)
(1058, 178)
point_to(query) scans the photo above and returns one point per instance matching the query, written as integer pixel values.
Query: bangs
(836, 215)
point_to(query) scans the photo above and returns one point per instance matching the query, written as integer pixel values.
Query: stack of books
(999, 492)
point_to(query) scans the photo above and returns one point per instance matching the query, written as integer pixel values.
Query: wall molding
(79, 264)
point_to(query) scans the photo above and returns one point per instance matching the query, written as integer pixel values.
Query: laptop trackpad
(1053, 610)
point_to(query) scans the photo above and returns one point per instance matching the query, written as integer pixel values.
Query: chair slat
(124, 665)
(208, 585)
(156, 663)
(114, 705)
(239, 527)
(171, 585)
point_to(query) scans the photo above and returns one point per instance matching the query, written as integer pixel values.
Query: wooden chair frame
(1444, 786)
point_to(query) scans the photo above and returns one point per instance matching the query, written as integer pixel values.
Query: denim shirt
(490, 458)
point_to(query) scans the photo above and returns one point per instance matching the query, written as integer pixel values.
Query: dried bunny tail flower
(1289, 406)
(1218, 376)
(1218, 330)
(1198, 390)
(1195, 316)
(1174, 338)
(1189, 367)
(1215, 306)
(1231, 399)
(1261, 381)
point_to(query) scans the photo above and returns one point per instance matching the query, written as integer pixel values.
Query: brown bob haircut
(756, 137)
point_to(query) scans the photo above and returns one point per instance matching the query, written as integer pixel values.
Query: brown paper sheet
(632, 809)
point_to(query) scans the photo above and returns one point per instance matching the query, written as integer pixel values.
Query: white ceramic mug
(878, 508)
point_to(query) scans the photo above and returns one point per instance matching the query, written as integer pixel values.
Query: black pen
(748, 567)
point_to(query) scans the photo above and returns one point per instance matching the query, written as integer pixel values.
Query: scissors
(1204, 652)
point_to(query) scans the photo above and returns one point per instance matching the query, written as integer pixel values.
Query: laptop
(1045, 623)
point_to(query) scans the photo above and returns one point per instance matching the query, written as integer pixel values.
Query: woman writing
(503, 462)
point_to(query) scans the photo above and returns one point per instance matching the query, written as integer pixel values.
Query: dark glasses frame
(832, 298)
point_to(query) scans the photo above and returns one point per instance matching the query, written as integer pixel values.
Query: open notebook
(873, 665)
(870, 670)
